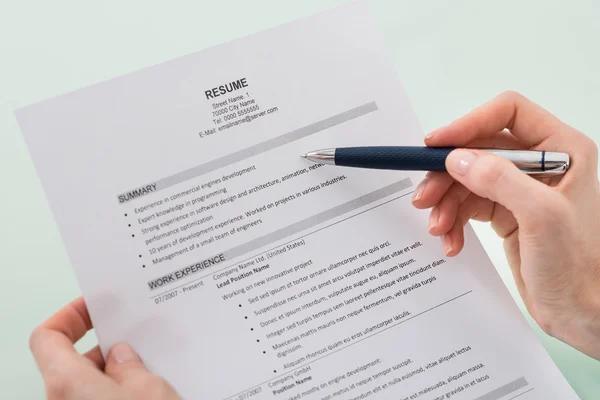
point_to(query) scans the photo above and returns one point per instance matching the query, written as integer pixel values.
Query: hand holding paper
(71, 376)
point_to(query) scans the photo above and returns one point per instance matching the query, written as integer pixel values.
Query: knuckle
(589, 146)
(33, 338)
(489, 173)
(150, 386)
(139, 382)
(511, 95)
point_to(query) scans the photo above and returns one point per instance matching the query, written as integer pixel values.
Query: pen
(410, 158)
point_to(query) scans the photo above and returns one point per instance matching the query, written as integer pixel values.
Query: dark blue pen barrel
(394, 158)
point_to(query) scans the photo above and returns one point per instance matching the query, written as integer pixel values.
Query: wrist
(581, 329)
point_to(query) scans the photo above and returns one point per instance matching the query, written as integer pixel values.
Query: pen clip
(560, 170)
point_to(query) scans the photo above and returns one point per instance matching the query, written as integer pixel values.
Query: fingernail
(430, 135)
(434, 217)
(459, 161)
(122, 352)
(447, 243)
(419, 190)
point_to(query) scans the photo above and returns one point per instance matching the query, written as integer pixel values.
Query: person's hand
(550, 227)
(69, 375)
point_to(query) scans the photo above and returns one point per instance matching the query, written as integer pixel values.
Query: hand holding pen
(550, 226)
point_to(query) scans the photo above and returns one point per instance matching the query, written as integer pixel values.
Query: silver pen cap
(536, 163)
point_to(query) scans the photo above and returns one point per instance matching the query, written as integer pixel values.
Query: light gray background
(451, 56)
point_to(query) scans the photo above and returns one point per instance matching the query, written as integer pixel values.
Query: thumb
(499, 180)
(124, 364)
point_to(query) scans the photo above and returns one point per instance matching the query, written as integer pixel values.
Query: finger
(503, 222)
(73, 320)
(435, 185)
(67, 374)
(527, 121)
(126, 367)
(499, 180)
(95, 356)
(499, 140)
(123, 363)
(474, 207)
(444, 213)
(54, 339)
(583, 170)
(431, 190)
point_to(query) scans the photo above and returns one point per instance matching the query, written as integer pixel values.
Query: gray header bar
(248, 152)
(317, 219)
(279, 234)
(504, 390)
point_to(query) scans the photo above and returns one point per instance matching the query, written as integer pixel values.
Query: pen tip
(304, 155)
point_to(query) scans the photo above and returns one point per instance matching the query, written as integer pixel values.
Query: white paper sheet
(239, 270)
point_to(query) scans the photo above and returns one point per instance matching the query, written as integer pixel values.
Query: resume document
(237, 269)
